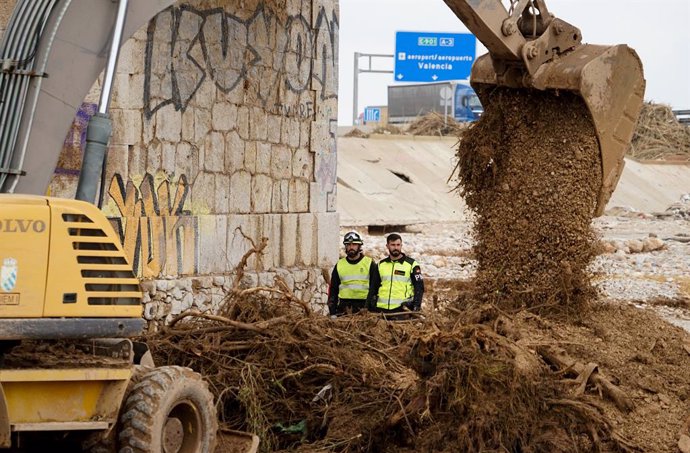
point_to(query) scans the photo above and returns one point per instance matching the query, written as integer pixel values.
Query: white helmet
(352, 237)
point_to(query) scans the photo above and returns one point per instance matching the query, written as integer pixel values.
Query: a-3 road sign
(433, 57)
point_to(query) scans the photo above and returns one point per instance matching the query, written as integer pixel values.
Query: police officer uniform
(400, 285)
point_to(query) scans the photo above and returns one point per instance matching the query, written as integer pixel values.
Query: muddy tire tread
(146, 399)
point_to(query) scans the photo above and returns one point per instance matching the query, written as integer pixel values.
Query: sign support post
(357, 71)
(446, 94)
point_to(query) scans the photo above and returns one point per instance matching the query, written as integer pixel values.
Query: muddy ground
(630, 332)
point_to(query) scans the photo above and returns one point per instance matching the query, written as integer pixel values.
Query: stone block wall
(6, 7)
(224, 132)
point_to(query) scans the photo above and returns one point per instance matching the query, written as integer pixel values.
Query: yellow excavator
(530, 48)
(69, 306)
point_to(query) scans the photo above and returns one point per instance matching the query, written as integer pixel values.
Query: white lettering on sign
(436, 57)
(433, 66)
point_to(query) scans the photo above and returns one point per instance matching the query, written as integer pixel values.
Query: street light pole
(355, 95)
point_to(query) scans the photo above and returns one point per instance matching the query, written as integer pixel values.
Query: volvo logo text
(22, 226)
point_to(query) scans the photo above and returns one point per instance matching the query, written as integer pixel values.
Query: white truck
(407, 102)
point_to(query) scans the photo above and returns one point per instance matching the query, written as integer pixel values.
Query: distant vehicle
(375, 115)
(407, 102)
(683, 116)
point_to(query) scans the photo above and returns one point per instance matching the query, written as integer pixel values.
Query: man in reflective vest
(350, 278)
(398, 285)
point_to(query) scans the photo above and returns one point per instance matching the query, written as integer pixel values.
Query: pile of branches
(304, 382)
(357, 133)
(388, 129)
(659, 135)
(433, 123)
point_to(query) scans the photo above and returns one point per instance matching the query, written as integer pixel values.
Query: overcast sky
(658, 30)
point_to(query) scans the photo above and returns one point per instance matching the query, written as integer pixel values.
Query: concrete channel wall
(403, 180)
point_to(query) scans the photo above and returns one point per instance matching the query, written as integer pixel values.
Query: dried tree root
(587, 373)
(221, 319)
(598, 425)
(415, 406)
(258, 250)
(290, 296)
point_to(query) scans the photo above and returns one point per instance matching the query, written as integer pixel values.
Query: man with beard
(350, 278)
(398, 285)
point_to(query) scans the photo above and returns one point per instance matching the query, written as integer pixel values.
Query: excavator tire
(169, 410)
(108, 444)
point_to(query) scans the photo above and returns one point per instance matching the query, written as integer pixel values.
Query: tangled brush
(659, 135)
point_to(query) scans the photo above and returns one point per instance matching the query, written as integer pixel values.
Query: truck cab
(467, 105)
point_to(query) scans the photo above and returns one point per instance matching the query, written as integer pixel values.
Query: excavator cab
(530, 48)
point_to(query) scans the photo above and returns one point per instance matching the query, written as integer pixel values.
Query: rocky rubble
(649, 244)
(164, 299)
(678, 210)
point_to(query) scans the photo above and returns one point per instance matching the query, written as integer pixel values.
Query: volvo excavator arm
(526, 34)
(530, 48)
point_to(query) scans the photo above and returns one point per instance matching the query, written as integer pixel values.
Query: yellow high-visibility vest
(396, 283)
(354, 278)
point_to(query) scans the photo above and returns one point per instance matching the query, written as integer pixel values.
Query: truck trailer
(407, 102)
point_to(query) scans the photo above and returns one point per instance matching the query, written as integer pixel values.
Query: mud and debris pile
(446, 383)
(435, 124)
(530, 169)
(55, 354)
(357, 133)
(659, 135)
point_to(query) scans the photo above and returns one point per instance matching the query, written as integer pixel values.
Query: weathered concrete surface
(651, 187)
(6, 7)
(370, 194)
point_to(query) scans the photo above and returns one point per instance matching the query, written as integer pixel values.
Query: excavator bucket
(609, 80)
(530, 48)
(239, 441)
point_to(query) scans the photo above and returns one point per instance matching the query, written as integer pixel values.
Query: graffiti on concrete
(73, 147)
(159, 236)
(326, 53)
(186, 45)
(303, 110)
